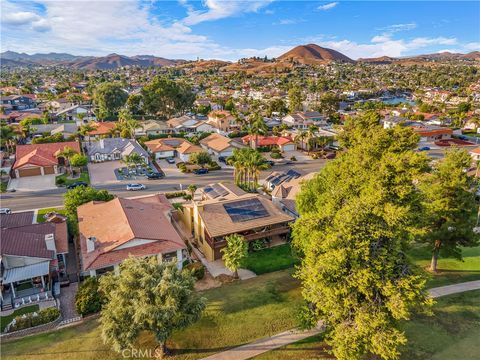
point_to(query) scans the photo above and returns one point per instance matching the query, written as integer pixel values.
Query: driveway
(33, 183)
(103, 173)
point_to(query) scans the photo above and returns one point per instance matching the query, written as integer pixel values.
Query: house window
(171, 256)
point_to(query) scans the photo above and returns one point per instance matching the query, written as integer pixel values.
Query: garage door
(48, 170)
(29, 172)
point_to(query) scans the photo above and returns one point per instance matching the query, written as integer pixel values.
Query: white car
(5, 211)
(135, 187)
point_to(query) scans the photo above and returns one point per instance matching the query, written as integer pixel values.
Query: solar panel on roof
(245, 210)
(293, 174)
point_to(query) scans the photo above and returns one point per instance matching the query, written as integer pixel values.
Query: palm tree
(255, 164)
(257, 127)
(67, 153)
(85, 129)
(311, 136)
(191, 189)
(300, 137)
(7, 137)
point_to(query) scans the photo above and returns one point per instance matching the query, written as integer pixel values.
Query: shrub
(213, 166)
(34, 319)
(60, 181)
(177, 206)
(187, 197)
(175, 194)
(196, 269)
(276, 155)
(293, 158)
(183, 168)
(88, 300)
(259, 244)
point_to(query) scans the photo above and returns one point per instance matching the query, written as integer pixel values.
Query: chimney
(50, 242)
(91, 243)
(102, 145)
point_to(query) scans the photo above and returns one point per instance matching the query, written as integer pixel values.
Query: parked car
(269, 162)
(222, 159)
(330, 156)
(76, 184)
(5, 211)
(463, 137)
(170, 160)
(135, 187)
(200, 171)
(155, 175)
(424, 148)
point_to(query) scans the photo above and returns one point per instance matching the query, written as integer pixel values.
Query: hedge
(35, 319)
(88, 300)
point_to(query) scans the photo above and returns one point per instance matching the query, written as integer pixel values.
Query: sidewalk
(264, 345)
(454, 289)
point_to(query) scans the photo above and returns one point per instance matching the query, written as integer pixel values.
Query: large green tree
(165, 97)
(295, 98)
(200, 158)
(81, 195)
(356, 218)
(147, 296)
(109, 99)
(234, 253)
(450, 206)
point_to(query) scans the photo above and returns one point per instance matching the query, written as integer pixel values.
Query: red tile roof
(145, 218)
(41, 154)
(268, 140)
(102, 128)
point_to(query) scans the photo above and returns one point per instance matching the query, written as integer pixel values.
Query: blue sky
(230, 30)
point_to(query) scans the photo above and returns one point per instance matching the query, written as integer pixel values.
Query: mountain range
(310, 54)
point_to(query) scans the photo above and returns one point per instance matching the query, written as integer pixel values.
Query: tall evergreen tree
(357, 216)
(450, 206)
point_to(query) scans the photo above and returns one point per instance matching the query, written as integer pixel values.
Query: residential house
(17, 102)
(284, 195)
(66, 129)
(187, 124)
(114, 149)
(276, 178)
(80, 114)
(303, 119)
(32, 256)
(220, 145)
(284, 143)
(475, 154)
(433, 133)
(172, 147)
(223, 121)
(102, 129)
(152, 128)
(225, 210)
(41, 159)
(140, 227)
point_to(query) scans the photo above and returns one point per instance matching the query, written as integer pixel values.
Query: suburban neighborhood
(306, 201)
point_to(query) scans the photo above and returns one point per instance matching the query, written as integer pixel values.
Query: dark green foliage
(88, 300)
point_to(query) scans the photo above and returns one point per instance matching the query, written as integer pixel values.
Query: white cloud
(399, 27)
(327, 6)
(218, 9)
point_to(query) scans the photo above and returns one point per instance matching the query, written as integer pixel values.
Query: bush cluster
(34, 319)
(196, 269)
(88, 299)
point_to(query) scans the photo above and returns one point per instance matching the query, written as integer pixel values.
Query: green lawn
(42, 212)
(450, 270)
(3, 186)
(5, 320)
(453, 332)
(236, 314)
(272, 259)
(83, 177)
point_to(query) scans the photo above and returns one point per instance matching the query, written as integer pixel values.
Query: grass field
(42, 212)
(450, 270)
(451, 333)
(5, 320)
(272, 259)
(236, 314)
(83, 177)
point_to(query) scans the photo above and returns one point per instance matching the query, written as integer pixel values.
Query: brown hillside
(314, 54)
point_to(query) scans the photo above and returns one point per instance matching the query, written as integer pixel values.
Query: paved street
(20, 201)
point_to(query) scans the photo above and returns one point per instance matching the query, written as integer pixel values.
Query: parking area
(169, 169)
(101, 173)
(32, 183)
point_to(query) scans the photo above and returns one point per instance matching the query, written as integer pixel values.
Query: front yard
(271, 259)
(236, 314)
(42, 212)
(65, 180)
(5, 320)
